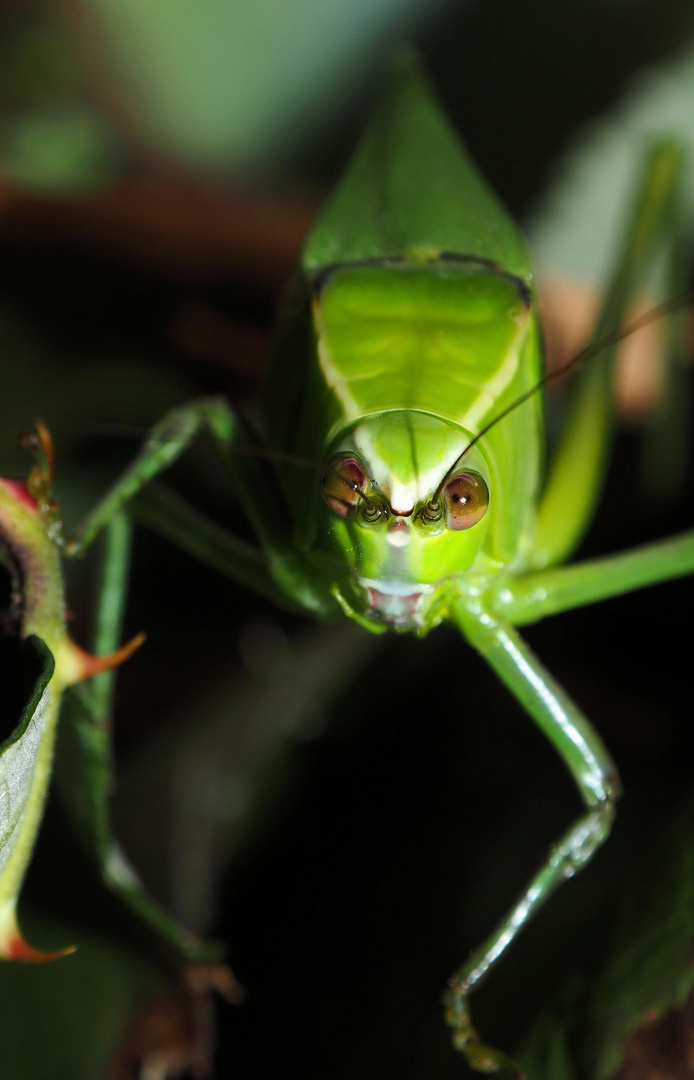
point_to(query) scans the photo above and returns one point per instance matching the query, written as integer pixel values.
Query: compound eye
(343, 482)
(466, 500)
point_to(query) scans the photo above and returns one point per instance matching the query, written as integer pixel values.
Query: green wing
(412, 191)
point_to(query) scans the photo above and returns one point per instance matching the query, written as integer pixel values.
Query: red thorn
(94, 665)
(18, 949)
(48, 448)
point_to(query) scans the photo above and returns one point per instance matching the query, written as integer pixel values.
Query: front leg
(594, 773)
(164, 444)
(273, 569)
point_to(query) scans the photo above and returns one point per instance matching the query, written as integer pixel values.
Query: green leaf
(545, 1054)
(64, 148)
(235, 85)
(25, 758)
(67, 1020)
(575, 229)
(630, 1020)
(651, 972)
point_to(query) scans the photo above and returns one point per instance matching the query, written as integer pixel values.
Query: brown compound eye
(343, 483)
(466, 498)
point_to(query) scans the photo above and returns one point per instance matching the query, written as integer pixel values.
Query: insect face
(399, 529)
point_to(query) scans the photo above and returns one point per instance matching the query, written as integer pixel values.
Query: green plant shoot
(401, 478)
(28, 528)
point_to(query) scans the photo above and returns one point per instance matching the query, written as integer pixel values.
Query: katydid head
(395, 527)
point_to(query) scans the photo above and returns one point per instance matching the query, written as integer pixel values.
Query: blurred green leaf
(544, 1054)
(651, 970)
(62, 148)
(38, 58)
(574, 231)
(235, 85)
(629, 1021)
(65, 1020)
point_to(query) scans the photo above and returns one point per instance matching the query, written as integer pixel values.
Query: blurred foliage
(350, 846)
(575, 232)
(233, 86)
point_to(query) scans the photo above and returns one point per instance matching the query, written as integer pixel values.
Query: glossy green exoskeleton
(401, 478)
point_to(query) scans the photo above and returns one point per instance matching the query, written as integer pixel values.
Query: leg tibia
(595, 776)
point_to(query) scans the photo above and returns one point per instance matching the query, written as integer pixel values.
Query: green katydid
(401, 482)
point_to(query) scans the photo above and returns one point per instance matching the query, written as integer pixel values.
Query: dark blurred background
(159, 166)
